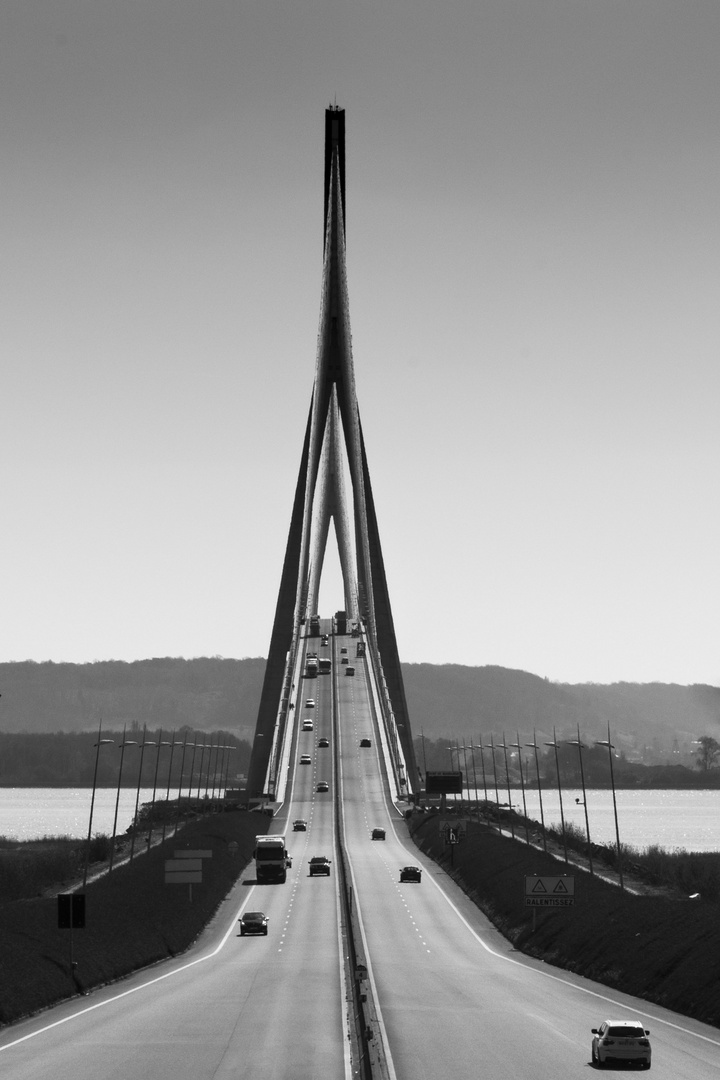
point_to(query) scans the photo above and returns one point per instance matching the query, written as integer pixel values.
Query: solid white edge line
(559, 978)
(133, 989)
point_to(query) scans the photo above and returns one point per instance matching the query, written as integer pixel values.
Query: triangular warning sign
(539, 886)
(560, 887)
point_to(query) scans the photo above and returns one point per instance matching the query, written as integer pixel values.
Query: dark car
(319, 865)
(299, 825)
(365, 742)
(378, 834)
(323, 743)
(410, 873)
(322, 785)
(253, 922)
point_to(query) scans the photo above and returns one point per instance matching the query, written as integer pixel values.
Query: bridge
(333, 449)
(362, 974)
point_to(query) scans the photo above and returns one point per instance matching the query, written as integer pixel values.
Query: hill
(654, 722)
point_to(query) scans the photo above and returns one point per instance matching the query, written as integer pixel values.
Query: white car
(305, 759)
(310, 703)
(621, 1040)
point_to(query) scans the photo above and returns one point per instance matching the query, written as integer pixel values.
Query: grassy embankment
(664, 950)
(132, 918)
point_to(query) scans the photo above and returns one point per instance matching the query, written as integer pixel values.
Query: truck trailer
(271, 859)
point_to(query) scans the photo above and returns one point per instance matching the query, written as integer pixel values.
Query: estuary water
(32, 813)
(672, 819)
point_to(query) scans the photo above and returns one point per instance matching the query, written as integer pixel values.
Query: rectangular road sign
(183, 871)
(179, 878)
(183, 866)
(549, 891)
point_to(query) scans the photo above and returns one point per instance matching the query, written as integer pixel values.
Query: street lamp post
(557, 768)
(517, 745)
(160, 743)
(125, 742)
(577, 742)
(180, 784)
(145, 742)
(475, 787)
(534, 746)
(497, 793)
(503, 744)
(98, 744)
(481, 748)
(167, 791)
(606, 742)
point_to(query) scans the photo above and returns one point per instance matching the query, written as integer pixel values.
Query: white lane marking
(558, 978)
(135, 989)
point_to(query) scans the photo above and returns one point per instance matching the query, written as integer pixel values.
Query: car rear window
(626, 1032)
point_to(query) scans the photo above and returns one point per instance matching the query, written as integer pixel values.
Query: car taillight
(608, 1042)
(643, 1042)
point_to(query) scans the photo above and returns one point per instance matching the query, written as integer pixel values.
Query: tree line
(482, 763)
(68, 759)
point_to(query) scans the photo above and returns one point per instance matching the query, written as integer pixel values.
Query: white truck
(271, 859)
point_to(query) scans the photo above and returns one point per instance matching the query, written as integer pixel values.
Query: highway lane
(454, 998)
(270, 1008)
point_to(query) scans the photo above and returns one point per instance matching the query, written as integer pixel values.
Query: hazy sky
(533, 234)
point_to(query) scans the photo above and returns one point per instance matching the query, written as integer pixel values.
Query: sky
(533, 256)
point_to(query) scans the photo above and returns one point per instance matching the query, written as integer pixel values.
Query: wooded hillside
(657, 722)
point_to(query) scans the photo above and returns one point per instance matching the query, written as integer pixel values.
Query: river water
(672, 819)
(32, 813)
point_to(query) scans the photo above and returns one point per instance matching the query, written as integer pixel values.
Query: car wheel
(265, 931)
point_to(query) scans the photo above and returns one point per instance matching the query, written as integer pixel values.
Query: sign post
(71, 916)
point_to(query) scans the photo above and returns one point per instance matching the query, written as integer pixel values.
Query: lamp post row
(157, 744)
(554, 744)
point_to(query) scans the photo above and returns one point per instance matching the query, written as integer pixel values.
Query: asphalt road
(454, 999)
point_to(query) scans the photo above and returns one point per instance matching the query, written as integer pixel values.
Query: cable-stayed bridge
(363, 973)
(333, 489)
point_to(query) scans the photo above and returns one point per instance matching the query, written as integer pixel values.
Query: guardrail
(366, 1037)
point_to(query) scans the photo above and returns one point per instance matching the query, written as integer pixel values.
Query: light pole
(533, 745)
(98, 744)
(202, 748)
(422, 736)
(125, 742)
(606, 742)
(497, 793)
(475, 787)
(557, 768)
(503, 744)
(160, 743)
(143, 744)
(180, 784)
(226, 767)
(481, 748)
(576, 742)
(167, 792)
(518, 746)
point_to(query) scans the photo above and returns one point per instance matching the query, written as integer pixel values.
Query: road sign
(71, 911)
(549, 891)
(183, 871)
